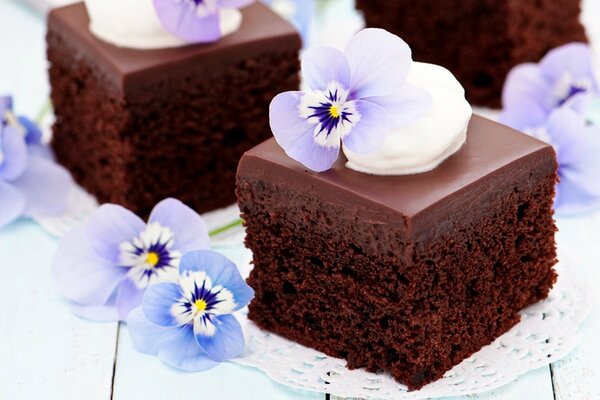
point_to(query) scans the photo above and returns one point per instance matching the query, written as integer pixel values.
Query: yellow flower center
(200, 305)
(334, 111)
(152, 258)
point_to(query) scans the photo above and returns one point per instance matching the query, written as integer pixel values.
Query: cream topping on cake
(425, 143)
(135, 24)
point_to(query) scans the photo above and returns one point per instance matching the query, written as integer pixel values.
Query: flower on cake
(31, 184)
(198, 21)
(352, 97)
(532, 91)
(558, 101)
(189, 324)
(104, 266)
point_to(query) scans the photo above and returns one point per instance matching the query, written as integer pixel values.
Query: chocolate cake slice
(404, 274)
(478, 40)
(137, 126)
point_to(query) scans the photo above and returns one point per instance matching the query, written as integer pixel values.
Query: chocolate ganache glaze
(493, 153)
(129, 70)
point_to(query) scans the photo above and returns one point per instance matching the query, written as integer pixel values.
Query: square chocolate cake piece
(404, 274)
(137, 126)
(478, 40)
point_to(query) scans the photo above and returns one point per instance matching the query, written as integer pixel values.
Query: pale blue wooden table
(46, 353)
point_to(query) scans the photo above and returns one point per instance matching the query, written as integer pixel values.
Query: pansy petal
(379, 63)
(574, 59)
(41, 151)
(6, 104)
(129, 296)
(296, 135)
(79, 274)
(45, 186)
(410, 103)
(369, 133)
(188, 227)
(33, 134)
(323, 65)
(227, 341)
(572, 198)
(158, 303)
(145, 336)
(234, 3)
(109, 226)
(525, 86)
(524, 115)
(181, 19)
(222, 272)
(12, 204)
(13, 153)
(179, 349)
(100, 313)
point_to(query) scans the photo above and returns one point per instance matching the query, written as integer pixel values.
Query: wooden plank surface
(46, 352)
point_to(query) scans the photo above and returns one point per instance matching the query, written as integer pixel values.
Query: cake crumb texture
(179, 138)
(353, 287)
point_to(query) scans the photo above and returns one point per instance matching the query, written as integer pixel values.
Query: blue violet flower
(532, 91)
(104, 266)
(557, 101)
(31, 184)
(189, 324)
(195, 21)
(575, 136)
(353, 97)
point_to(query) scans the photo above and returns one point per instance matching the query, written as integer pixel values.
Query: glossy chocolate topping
(492, 154)
(262, 31)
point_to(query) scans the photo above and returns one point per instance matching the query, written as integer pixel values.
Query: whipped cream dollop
(134, 24)
(426, 142)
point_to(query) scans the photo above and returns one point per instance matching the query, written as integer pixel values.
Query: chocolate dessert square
(137, 126)
(404, 274)
(478, 40)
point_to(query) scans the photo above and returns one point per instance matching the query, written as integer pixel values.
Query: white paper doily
(81, 205)
(546, 333)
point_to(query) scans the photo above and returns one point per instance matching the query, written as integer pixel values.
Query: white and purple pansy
(532, 91)
(31, 184)
(574, 132)
(198, 21)
(104, 267)
(189, 324)
(353, 97)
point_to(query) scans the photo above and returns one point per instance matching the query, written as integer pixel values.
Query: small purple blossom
(352, 98)
(30, 183)
(532, 91)
(554, 101)
(576, 139)
(195, 21)
(104, 267)
(189, 324)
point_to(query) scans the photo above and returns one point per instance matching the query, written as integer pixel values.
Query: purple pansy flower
(195, 21)
(189, 324)
(553, 101)
(532, 91)
(104, 267)
(352, 98)
(30, 183)
(576, 139)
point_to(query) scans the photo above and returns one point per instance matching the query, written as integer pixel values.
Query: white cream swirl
(134, 24)
(425, 143)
